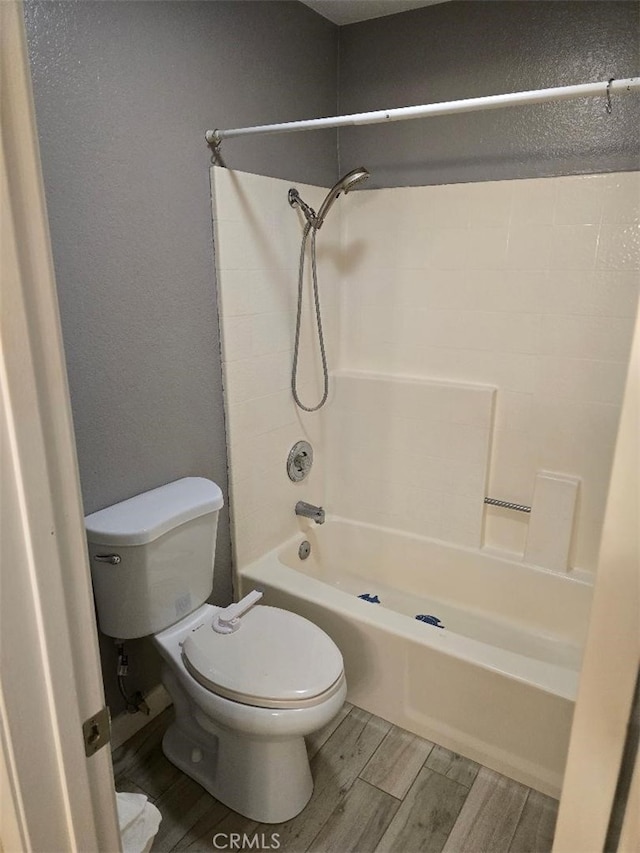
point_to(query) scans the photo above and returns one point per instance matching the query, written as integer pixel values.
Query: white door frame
(612, 655)
(54, 798)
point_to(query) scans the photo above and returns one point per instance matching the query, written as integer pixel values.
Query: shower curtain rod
(605, 89)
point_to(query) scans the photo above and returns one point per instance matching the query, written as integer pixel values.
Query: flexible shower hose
(316, 298)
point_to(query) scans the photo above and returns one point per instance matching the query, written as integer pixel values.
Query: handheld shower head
(314, 221)
(344, 185)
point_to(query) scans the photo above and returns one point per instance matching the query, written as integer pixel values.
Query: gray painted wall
(468, 49)
(124, 92)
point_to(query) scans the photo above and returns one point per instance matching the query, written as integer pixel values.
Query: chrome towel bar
(507, 505)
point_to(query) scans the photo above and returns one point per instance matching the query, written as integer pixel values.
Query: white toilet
(246, 688)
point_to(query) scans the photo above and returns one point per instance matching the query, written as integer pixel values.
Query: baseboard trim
(126, 725)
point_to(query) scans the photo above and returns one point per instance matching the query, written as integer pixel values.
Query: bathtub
(497, 683)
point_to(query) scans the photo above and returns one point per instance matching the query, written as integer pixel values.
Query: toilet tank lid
(145, 517)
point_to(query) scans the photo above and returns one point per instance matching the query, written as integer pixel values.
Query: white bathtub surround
(525, 286)
(551, 524)
(257, 245)
(411, 454)
(497, 684)
(530, 286)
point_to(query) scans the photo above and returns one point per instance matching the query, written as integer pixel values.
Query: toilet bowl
(250, 757)
(247, 685)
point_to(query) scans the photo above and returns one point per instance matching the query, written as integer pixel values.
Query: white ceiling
(350, 11)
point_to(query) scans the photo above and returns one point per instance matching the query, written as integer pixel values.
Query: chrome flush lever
(112, 559)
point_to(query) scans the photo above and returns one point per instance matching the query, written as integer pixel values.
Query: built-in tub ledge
(575, 573)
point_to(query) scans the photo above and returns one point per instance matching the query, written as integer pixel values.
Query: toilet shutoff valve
(123, 664)
(227, 620)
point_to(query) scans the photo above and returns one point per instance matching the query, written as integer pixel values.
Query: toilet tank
(152, 556)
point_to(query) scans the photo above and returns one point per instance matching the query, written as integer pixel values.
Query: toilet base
(267, 779)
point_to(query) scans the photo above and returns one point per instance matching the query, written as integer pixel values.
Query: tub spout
(315, 513)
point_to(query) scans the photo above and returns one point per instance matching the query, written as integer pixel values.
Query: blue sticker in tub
(430, 620)
(372, 599)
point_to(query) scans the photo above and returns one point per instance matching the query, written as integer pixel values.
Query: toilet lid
(275, 659)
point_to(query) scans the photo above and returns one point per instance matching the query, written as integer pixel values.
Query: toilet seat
(276, 659)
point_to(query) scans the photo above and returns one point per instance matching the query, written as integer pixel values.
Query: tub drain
(304, 550)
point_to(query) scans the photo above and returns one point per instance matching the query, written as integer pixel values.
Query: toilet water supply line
(135, 702)
(227, 620)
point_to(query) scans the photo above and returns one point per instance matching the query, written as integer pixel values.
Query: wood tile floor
(377, 788)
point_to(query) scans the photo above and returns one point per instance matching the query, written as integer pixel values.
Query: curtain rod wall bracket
(214, 140)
